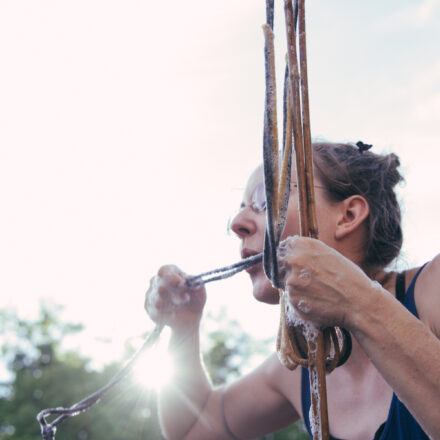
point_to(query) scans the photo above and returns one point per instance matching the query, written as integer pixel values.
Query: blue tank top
(400, 424)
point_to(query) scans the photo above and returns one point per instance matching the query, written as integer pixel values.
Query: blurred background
(127, 133)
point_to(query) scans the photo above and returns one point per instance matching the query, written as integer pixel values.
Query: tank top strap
(409, 302)
(305, 398)
(400, 287)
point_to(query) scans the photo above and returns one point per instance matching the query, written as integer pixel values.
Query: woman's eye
(259, 198)
(259, 205)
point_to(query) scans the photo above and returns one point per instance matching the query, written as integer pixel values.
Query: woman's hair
(346, 170)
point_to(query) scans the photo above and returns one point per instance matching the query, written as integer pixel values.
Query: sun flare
(154, 368)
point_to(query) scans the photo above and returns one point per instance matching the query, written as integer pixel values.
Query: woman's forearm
(405, 352)
(181, 402)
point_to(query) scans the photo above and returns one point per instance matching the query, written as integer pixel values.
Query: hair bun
(391, 163)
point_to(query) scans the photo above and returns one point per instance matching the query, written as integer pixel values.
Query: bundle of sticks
(300, 344)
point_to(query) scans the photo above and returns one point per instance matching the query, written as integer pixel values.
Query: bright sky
(127, 129)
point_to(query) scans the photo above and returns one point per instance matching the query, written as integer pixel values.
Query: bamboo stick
(286, 170)
(316, 365)
(272, 116)
(308, 158)
(270, 152)
(308, 222)
(294, 80)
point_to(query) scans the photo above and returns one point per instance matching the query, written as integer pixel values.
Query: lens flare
(154, 369)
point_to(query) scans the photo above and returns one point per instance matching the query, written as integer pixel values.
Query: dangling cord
(48, 430)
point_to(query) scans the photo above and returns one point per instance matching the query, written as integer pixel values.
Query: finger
(286, 246)
(171, 274)
(148, 293)
(289, 256)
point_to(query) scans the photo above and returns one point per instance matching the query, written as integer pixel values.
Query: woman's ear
(354, 210)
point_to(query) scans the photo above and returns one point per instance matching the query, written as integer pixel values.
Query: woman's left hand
(323, 286)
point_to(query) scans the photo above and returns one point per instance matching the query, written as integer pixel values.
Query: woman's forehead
(257, 175)
(255, 178)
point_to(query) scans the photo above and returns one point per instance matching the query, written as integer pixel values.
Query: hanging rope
(48, 429)
(298, 344)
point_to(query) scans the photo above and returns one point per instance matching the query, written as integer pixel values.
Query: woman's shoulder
(427, 294)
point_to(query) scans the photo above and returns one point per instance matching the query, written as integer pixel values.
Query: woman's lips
(253, 269)
(246, 253)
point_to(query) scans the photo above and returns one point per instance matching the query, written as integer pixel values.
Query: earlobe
(354, 211)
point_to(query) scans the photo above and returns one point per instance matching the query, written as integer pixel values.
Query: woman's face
(250, 226)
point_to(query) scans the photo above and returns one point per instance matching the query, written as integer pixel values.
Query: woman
(340, 280)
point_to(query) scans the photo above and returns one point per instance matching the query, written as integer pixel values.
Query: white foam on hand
(177, 294)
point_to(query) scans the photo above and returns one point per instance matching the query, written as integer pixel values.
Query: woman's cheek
(292, 223)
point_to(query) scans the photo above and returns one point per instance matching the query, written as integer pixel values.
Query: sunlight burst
(154, 368)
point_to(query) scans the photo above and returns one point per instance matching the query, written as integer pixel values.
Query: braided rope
(48, 429)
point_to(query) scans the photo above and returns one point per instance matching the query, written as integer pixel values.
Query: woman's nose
(243, 224)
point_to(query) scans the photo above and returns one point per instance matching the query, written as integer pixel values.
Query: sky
(128, 130)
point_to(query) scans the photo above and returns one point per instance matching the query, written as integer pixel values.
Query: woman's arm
(406, 353)
(188, 407)
(252, 406)
(328, 289)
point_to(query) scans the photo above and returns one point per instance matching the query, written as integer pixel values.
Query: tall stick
(317, 356)
(295, 101)
(308, 162)
(307, 209)
(270, 152)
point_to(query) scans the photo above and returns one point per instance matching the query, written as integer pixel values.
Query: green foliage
(228, 351)
(43, 376)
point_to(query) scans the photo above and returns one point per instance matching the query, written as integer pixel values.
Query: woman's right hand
(171, 302)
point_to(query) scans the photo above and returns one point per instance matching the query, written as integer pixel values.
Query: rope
(48, 430)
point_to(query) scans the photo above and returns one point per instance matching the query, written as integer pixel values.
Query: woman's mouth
(246, 253)
(253, 269)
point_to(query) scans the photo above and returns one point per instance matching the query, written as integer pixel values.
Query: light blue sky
(126, 128)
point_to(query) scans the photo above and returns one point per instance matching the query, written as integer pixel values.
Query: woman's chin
(264, 291)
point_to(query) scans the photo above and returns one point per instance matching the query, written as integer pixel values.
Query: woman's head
(345, 171)
(343, 177)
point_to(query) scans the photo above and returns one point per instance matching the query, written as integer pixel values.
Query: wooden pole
(307, 204)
